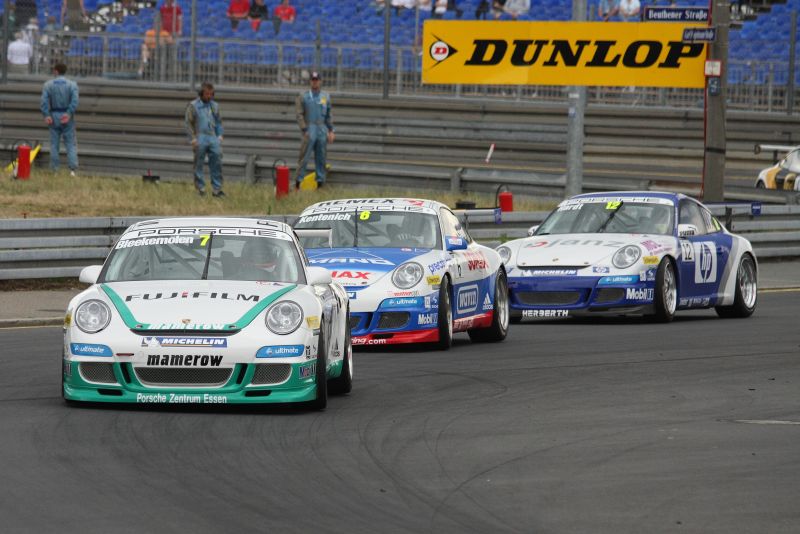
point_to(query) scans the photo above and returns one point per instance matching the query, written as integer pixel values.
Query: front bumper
(394, 320)
(559, 297)
(122, 384)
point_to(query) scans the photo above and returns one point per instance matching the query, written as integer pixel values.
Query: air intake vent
(608, 294)
(99, 373)
(180, 376)
(393, 320)
(548, 298)
(271, 373)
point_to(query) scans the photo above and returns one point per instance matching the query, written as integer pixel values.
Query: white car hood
(574, 249)
(182, 303)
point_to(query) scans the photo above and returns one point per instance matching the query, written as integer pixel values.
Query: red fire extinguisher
(23, 162)
(505, 199)
(280, 173)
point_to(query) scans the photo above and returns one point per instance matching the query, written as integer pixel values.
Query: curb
(44, 321)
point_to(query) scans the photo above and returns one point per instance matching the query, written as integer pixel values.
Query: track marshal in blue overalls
(204, 128)
(59, 103)
(314, 118)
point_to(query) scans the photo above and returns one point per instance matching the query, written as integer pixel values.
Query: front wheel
(666, 298)
(343, 384)
(498, 330)
(445, 321)
(321, 400)
(744, 300)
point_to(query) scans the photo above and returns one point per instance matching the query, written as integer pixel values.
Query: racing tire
(760, 185)
(746, 295)
(343, 384)
(498, 330)
(321, 375)
(665, 300)
(445, 322)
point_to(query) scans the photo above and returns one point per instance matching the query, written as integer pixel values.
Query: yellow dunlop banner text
(649, 54)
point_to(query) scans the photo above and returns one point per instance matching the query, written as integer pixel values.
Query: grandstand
(351, 34)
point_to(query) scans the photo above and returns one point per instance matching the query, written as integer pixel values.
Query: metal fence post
(339, 74)
(770, 85)
(193, 48)
(104, 67)
(792, 56)
(399, 74)
(221, 62)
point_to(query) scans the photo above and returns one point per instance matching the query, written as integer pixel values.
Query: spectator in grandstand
(497, 8)
(204, 128)
(607, 9)
(482, 10)
(26, 10)
(258, 13)
(171, 17)
(151, 46)
(20, 53)
(238, 10)
(399, 5)
(439, 8)
(283, 14)
(452, 5)
(73, 16)
(31, 32)
(629, 9)
(58, 105)
(313, 110)
(516, 8)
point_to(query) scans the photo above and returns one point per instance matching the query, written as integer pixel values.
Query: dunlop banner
(561, 53)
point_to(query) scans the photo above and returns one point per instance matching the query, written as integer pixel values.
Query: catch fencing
(752, 85)
(61, 247)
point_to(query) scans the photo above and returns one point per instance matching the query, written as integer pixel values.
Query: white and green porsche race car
(207, 311)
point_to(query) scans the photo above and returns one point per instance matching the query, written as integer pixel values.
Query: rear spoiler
(316, 232)
(775, 149)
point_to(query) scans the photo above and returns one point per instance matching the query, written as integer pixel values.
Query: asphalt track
(576, 426)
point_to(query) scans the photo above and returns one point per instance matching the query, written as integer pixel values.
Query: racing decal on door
(467, 299)
(705, 268)
(687, 251)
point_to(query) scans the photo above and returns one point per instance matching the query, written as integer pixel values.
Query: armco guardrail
(52, 248)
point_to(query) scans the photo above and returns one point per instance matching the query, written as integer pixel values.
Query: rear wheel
(344, 383)
(445, 321)
(666, 298)
(760, 185)
(744, 300)
(321, 401)
(498, 330)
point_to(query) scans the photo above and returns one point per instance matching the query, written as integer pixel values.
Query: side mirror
(532, 229)
(455, 243)
(319, 275)
(90, 274)
(686, 230)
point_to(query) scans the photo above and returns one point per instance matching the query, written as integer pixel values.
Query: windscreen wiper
(208, 257)
(613, 213)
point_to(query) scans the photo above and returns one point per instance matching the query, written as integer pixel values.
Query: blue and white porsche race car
(411, 271)
(630, 253)
(207, 311)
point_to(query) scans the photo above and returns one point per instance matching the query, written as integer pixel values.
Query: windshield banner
(645, 54)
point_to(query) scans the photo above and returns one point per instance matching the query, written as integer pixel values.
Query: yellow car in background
(782, 175)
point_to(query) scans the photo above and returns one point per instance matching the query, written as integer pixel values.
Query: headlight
(284, 317)
(407, 275)
(92, 316)
(626, 256)
(505, 253)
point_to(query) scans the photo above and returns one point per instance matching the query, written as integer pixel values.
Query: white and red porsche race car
(412, 272)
